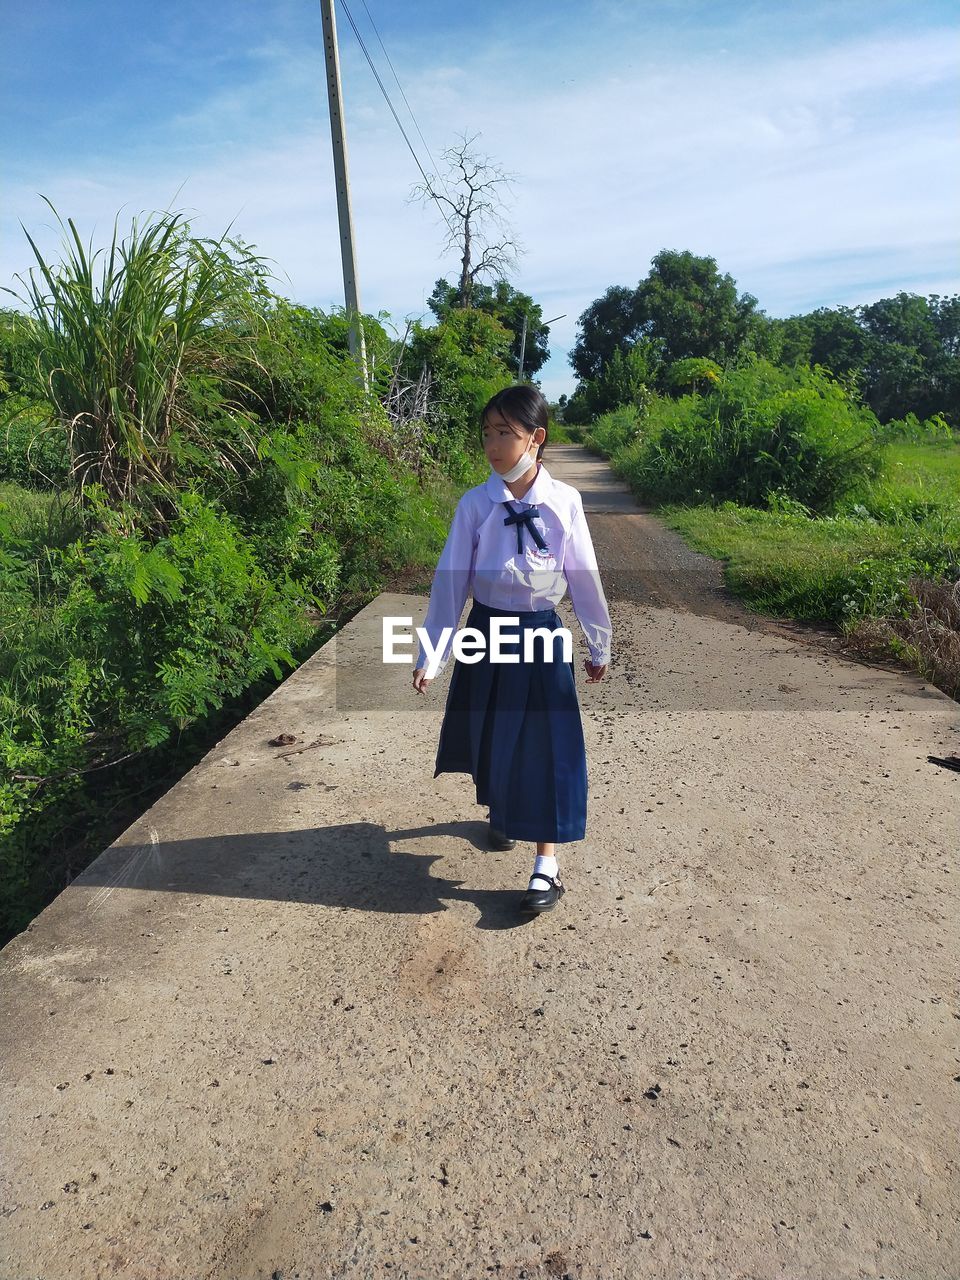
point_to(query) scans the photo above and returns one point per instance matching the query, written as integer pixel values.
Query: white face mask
(519, 468)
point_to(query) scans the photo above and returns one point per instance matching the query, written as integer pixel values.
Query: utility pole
(351, 293)
(523, 348)
(523, 340)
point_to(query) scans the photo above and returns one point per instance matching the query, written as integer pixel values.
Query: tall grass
(125, 360)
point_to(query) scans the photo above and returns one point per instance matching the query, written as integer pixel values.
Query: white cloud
(807, 177)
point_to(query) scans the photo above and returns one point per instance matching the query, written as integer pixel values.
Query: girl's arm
(451, 582)
(586, 590)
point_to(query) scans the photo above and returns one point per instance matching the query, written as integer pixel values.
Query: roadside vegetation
(827, 495)
(199, 485)
(196, 490)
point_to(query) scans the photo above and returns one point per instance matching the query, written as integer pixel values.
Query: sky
(811, 149)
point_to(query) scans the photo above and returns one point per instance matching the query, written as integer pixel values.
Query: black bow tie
(521, 518)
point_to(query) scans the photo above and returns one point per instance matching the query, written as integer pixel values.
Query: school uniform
(516, 727)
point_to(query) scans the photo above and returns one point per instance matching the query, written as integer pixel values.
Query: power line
(400, 87)
(386, 95)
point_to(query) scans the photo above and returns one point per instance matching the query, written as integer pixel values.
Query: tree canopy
(507, 305)
(902, 354)
(684, 306)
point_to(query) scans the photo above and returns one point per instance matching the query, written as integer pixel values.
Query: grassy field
(782, 564)
(838, 567)
(935, 466)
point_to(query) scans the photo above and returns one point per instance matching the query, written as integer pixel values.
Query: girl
(519, 540)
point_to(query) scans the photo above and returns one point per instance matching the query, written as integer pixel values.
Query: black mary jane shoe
(498, 842)
(536, 900)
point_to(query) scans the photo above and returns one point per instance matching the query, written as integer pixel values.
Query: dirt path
(289, 1027)
(645, 561)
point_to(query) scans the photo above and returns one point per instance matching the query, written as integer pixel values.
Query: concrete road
(289, 1026)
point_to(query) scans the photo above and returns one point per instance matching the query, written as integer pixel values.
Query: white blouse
(481, 553)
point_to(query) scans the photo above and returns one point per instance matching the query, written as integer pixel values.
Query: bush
(128, 358)
(34, 451)
(933, 430)
(164, 546)
(614, 430)
(760, 431)
(466, 357)
(113, 644)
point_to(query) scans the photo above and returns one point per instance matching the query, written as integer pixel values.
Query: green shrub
(214, 473)
(760, 431)
(112, 644)
(614, 430)
(465, 357)
(932, 430)
(127, 358)
(34, 450)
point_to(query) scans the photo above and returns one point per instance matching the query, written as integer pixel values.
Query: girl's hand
(595, 673)
(420, 681)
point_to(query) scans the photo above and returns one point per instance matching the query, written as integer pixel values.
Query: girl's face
(505, 442)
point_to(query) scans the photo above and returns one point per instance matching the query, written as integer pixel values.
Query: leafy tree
(695, 373)
(612, 323)
(945, 374)
(905, 354)
(508, 305)
(623, 380)
(945, 313)
(830, 336)
(684, 307)
(693, 310)
(901, 353)
(465, 356)
(905, 320)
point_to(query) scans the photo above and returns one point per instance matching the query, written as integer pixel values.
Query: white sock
(543, 866)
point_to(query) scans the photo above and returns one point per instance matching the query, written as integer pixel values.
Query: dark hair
(523, 404)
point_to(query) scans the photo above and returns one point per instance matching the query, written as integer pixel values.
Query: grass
(121, 354)
(561, 433)
(42, 518)
(785, 565)
(880, 571)
(935, 465)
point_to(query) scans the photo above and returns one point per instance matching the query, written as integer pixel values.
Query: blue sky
(811, 149)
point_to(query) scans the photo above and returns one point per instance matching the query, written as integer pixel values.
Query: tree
(945, 313)
(697, 373)
(624, 379)
(911, 364)
(610, 324)
(684, 307)
(902, 354)
(904, 319)
(830, 336)
(464, 360)
(471, 206)
(693, 310)
(509, 306)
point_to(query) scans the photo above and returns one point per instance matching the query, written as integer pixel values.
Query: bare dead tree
(407, 404)
(405, 400)
(470, 201)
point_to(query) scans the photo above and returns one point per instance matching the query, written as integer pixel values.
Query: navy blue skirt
(516, 729)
